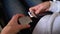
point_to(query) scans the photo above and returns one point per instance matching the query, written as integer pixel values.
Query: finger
(15, 17)
(38, 11)
(24, 26)
(32, 9)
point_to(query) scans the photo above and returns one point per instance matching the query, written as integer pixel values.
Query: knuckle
(30, 8)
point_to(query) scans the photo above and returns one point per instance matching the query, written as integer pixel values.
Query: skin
(13, 27)
(40, 7)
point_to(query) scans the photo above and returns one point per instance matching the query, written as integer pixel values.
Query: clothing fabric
(44, 25)
(55, 6)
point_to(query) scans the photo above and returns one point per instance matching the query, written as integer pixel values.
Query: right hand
(13, 27)
(40, 7)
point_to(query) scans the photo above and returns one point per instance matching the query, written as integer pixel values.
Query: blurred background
(8, 8)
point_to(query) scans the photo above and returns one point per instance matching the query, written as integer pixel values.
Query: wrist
(7, 30)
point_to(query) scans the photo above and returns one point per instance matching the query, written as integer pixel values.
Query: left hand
(13, 27)
(42, 7)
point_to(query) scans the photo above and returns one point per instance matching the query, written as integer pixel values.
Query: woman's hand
(40, 7)
(13, 27)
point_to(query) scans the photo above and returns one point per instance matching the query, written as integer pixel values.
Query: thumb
(15, 17)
